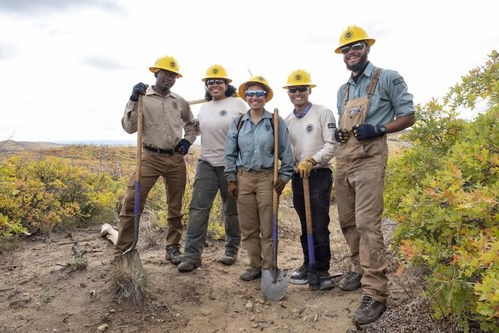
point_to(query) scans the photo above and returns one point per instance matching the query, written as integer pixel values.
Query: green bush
(443, 191)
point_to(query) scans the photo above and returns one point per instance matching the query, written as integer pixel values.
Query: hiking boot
(321, 280)
(350, 281)
(251, 274)
(173, 254)
(227, 259)
(368, 311)
(188, 264)
(300, 276)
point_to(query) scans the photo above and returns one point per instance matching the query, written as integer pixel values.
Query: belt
(159, 150)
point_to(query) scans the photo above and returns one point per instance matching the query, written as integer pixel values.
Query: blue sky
(68, 67)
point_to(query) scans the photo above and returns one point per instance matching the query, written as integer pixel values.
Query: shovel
(136, 206)
(274, 281)
(313, 278)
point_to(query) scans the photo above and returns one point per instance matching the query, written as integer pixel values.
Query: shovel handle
(308, 216)
(138, 171)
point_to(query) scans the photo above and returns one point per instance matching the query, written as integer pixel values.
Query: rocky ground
(43, 289)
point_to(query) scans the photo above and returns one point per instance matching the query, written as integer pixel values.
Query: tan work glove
(305, 167)
(279, 185)
(232, 189)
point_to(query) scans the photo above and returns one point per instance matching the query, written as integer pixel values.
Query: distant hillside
(13, 146)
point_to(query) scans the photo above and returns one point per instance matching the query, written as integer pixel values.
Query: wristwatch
(381, 129)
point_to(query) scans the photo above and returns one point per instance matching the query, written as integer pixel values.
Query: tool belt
(159, 150)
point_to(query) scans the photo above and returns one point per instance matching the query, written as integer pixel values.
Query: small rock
(102, 327)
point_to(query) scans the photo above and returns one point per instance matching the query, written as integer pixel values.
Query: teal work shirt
(253, 147)
(391, 98)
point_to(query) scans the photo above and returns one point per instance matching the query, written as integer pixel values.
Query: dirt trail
(39, 294)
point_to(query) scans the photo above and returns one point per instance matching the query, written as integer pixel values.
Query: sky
(67, 67)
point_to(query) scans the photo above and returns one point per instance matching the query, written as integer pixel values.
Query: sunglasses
(257, 93)
(295, 89)
(212, 82)
(356, 47)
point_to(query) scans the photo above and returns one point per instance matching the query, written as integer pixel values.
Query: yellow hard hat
(256, 79)
(353, 34)
(167, 63)
(299, 77)
(216, 72)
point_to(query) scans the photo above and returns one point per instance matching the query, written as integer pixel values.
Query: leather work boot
(251, 274)
(188, 264)
(173, 254)
(368, 311)
(350, 281)
(228, 259)
(300, 276)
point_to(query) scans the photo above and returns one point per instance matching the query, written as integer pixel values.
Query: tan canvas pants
(359, 183)
(254, 209)
(173, 171)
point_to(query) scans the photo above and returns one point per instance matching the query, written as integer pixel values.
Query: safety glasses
(295, 89)
(212, 82)
(257, 93)
(356, 47)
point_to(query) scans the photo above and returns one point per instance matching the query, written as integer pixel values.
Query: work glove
(367, 131)
(305, 167)
(232, 189)
(182, 147)
(279, 185)
(138, 89)
(341, 135)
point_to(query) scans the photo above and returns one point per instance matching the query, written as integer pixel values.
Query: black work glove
(341, 135)
(279, 185)
(138, 89)
(182, 147)
(232, 189)
(366, 131)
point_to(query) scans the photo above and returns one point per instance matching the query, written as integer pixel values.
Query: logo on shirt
(175, 105)
(223, 113)
(309, 129)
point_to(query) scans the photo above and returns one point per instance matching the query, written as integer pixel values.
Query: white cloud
(68, 67)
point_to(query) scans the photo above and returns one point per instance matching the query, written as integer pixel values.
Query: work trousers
(254, 207)
(209, 180)
(320, 184)
(359, 180)
(173, 171)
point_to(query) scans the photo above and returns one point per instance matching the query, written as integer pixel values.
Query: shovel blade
(274, 283)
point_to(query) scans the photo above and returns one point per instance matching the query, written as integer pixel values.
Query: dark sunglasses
(356, 47)
(257, 93)
(212, 82)
(295, 89)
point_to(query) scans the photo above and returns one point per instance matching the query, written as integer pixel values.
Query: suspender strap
(370, 89)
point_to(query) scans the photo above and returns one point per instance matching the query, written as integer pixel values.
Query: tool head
(274, 283)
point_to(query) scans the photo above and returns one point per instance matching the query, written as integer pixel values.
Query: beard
(359, 65)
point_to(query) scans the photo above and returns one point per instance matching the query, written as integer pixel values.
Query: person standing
(214, 119)
(373, 103)
(249, 153)
(311, 128)
(165, 115)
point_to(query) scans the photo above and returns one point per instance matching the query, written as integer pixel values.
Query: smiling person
(214, 119)
(249, 152)
(165, 115)
(311, 128)
(373, 103)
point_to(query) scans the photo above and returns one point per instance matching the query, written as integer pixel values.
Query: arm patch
(398, 81)
(331, 125)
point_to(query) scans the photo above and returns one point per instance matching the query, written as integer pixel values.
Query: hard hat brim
(154, 69)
